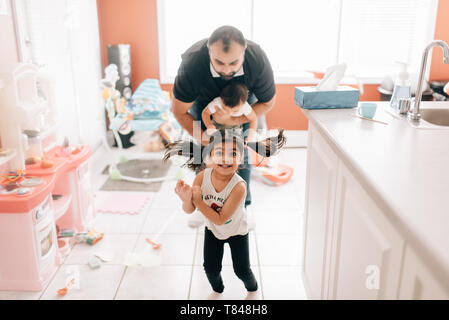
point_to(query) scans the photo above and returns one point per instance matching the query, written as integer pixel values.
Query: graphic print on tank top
(217, 208)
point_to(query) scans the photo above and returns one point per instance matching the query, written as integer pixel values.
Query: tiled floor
(275, 247)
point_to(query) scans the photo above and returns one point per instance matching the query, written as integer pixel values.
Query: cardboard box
(310, 98)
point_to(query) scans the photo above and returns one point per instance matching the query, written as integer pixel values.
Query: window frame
(302, 79)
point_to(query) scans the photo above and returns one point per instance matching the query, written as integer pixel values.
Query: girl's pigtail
(270, 146)
(189, 149)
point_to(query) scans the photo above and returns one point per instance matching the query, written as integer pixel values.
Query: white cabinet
(320, 191)
(418, 282)
(351, 250)
(367, 250)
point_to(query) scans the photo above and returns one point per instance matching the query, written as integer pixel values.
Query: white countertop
(404, 169)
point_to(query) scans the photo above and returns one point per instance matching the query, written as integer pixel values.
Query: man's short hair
(234, 94)
(226, 34)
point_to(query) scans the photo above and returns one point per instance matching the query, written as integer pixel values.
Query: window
(300, 36)
(61, 37)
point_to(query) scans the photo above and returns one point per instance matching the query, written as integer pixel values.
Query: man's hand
(184, 191)
(220, 116)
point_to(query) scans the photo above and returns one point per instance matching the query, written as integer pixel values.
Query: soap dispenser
(402, 86)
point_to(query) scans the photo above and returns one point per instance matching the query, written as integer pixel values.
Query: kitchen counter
(405, 171)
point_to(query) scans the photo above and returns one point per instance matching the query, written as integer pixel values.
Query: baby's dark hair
(197, 153)
(234, 94)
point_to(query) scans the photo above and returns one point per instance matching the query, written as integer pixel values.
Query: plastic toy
(147, 110)
(80, 237)
(14, 176)
(268, 172)
(23, 191)
(93, 236)
(66, 233)
(63, 291)
(94, 262)
(29, 214)
(105, 256)
(46, 164)
(31, 182)
(166, 224)
(155, 245)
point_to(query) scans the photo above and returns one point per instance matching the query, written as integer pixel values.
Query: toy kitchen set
(45, 187)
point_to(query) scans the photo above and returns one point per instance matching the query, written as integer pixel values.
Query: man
(207, 67)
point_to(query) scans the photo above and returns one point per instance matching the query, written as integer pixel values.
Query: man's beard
(226, 77)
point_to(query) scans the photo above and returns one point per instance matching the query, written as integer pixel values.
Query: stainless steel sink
(434, 115)
(438, 117)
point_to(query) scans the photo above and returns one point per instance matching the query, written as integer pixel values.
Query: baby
(232, 101)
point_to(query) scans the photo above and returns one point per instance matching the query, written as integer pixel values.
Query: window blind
(376, 33)
(300, 35)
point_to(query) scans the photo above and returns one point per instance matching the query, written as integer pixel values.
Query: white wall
(8, 52)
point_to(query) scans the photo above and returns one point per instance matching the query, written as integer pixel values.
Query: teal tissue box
(310, 98)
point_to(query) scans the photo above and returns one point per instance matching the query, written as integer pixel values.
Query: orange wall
(438, 70)
(135, 22)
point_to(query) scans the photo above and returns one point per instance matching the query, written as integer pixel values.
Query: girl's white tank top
(237, 223)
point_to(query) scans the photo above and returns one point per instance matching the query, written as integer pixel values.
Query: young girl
(218, 192)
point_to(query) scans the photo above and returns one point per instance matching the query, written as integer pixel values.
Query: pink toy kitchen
(45, 187)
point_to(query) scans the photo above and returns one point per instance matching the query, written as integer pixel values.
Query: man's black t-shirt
(195, 82)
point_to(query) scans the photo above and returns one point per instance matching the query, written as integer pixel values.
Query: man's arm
(252, 125)
(260, 108)
(205, 115)
(185, 119)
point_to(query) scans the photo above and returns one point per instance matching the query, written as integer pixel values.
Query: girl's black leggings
(213, 256)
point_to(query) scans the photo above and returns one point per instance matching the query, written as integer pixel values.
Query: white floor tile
(20, 295)
(155, 283)
(284, 222)
(279, 250)
(283, 197)
(176, 249)
(282, 283)
(99, 181)
(116, 244)
(168, 221)
(234, 287)
(94, 284)
(166, 199)
(119, 223)
(227, 258)
(294, 157)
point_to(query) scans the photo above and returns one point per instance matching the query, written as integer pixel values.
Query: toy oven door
(46, 240)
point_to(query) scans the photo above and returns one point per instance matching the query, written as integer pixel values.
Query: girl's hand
(184, 191)
(211, 131)
(196, 194)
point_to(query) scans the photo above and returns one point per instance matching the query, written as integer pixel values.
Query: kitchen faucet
(414, 114)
